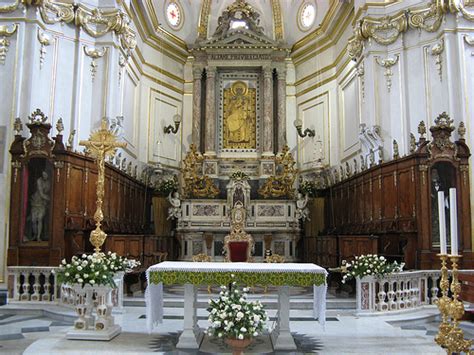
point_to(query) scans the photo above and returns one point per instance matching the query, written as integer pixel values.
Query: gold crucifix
(101, 144)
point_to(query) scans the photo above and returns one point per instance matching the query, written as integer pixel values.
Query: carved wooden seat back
(238, 245)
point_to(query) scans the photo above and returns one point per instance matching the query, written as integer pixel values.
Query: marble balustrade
(402, 291)
(38, 284)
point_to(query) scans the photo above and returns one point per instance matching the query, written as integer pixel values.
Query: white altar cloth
(292, 274)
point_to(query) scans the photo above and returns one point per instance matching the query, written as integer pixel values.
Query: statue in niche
(441, 180)
(39, 206)
(174, 212)
(239, 117)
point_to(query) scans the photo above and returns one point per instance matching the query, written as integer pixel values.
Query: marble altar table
(191, 275)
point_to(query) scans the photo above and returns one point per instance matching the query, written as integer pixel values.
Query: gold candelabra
(101, 143)
(450, 336)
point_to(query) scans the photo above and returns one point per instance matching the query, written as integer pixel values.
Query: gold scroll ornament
(282, 183)
(101, 144)
(239, 117)
(196, 184)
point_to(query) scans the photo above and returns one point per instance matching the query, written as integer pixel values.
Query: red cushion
(238, 251)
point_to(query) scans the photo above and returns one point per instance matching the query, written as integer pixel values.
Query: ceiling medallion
(174, 14)
(306, 15)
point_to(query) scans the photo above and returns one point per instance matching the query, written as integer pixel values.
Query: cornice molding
(385, 30)
(96, 22)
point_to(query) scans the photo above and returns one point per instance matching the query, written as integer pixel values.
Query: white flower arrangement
(94, 269)
(232, 316)
(370, 264)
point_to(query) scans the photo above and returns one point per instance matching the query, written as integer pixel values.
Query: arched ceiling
(272, 13)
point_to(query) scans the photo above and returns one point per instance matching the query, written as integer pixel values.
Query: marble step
(270, 303)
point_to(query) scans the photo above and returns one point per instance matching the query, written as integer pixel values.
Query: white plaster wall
(422, 84)
(63, 87)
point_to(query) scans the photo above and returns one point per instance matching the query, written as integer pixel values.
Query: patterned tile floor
(21, 333)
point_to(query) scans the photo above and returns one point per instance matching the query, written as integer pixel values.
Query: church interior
(315, 152)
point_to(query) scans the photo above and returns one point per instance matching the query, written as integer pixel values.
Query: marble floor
(41, 330)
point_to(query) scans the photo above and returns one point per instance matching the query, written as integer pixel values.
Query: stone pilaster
(267, 111)
(197, 76)
(210, 136)
(281, 107)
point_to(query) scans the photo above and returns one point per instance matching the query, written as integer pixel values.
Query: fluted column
(197, 76)
(281, 113)
(267, 111)
(210, 137)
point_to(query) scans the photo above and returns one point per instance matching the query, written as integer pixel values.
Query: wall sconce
(170, 128)
(299, 127)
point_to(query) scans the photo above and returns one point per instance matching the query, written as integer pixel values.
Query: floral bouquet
(308, 188)
(370, 264)
(232, 316)
(94, 269)
(165, 187)
(239, 175)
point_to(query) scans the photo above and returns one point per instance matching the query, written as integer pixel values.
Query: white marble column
(197, 76)
(281, 336)
(267, 111)
(210, 136)
(281, 113)
(191, 337)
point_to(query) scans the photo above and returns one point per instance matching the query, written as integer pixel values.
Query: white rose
(79, 268)
(219, 335)
(243, 330)
(86, 276)
(255, 334)
(84, 256)
(64, 262)
(66, 274)
(92, 282)
(240, 336)
(239, 315)
(104, 277)
(76, 263)
(256, 318)
(80, 280)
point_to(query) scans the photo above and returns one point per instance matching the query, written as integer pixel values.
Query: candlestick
(453, 213)
(442, 223)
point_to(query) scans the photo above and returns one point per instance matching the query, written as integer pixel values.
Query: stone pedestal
(95, 320)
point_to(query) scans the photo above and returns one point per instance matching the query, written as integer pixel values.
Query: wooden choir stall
(53, 196)
(391, 209)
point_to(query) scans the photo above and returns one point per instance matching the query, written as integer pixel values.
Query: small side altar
(192, 275)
